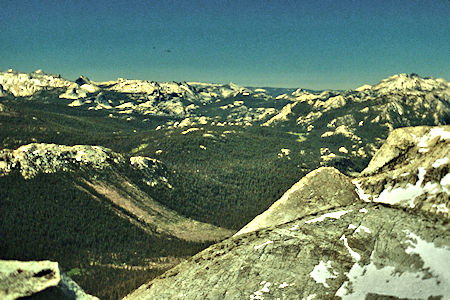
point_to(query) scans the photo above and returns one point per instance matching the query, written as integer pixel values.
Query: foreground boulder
(37, 278)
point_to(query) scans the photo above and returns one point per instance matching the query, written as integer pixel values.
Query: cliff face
(343, 246)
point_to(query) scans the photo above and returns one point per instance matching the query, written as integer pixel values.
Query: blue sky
(311, 44)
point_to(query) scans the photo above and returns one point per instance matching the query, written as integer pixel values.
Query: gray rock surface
(354, 252)
(72, 290)
(36, 158)
(19, 279)
(28, 278)
(306, 197)
(411, 170)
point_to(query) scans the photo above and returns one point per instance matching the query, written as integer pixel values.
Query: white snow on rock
(333, 215)
(405, 82)
(359, 228)
(258, 295)
(363, 88)
(409, 193)
(363, 228)
(363, 210)
(321, 273)
(433, 257)
(434, 133)
(386, 280)
(440, 208)
(440, 162)
(354, 255)
(263, 244)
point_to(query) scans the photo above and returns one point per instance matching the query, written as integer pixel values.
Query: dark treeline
(48, 217)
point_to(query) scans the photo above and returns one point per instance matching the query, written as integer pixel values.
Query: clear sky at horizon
(310, 44)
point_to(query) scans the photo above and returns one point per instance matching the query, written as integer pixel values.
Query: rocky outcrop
(80, 89)
(36, 158)
(27, 84)
(21, 279)
(411, 170)
(306, 197)
(191, 91)
(282, 115)
(155, 171)
(361, 251)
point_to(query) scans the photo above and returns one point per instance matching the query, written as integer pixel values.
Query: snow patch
(445, 183)
(351, 226)
(410, 192)
(283, 285)
(295, 227)
(359, 228)
(433, 257)
(362, 195)
(440, 208)
(435, 132)
(258, 295)
(363, 280)
(363, 210)
(321, 273)
(354, 255)
(263, 244)
(440, 162)
(363, 228)
(334, 215)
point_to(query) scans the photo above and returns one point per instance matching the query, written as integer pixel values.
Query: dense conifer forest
(236, 177)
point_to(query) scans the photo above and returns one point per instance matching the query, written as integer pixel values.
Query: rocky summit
(341, 248)
(304, 197)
